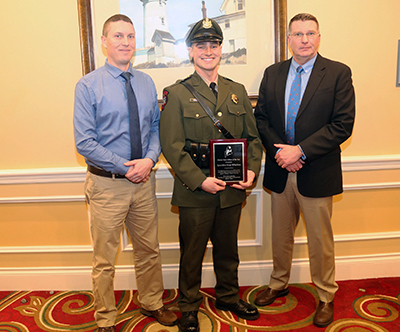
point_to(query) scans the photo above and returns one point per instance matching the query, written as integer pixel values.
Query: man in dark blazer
(209, 208)
(303, 164)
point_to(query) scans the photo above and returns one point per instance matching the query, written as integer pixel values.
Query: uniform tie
(134, 124)
(213, 89)
(293, 106)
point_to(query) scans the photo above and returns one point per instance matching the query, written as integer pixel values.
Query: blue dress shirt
(305, 76)
(101, 118)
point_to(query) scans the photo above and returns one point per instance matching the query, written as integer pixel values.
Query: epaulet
(177, 82)
(226, 78)
(185, 79)
(166, 93)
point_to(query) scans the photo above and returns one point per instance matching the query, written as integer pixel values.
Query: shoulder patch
(165, 99)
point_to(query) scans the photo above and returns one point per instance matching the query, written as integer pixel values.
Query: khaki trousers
(317, 213)
(114, 202)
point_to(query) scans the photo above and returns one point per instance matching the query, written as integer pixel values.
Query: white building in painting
(233, 25)
(163, 48)
(154, 18)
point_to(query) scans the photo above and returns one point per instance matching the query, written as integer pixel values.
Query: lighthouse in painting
(154, 18)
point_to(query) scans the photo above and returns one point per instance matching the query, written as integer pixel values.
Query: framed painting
(254, 36)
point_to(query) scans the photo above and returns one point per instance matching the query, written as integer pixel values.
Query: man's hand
(288, 155)
(295, 167)
(213, 185)
(244, 185)
(139, 170)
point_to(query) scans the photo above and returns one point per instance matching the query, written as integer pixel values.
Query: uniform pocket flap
(194, 112)
(236, 110)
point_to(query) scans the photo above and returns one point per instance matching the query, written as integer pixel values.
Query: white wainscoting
(250, 273)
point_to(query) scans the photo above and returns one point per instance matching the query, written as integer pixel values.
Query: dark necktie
(293, 106)
(134, 124)
(213, 89)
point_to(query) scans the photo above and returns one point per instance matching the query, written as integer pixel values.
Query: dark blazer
(184, 121)
(324, 121)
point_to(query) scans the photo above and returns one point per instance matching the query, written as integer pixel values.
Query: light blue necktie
(134, 123)
(293, 106)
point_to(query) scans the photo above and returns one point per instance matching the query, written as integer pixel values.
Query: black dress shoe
(324, 314)
(240, 308)
(189, 321)
(107, 329)
(269, 295)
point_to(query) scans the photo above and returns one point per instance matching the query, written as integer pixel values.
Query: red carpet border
(369, 305)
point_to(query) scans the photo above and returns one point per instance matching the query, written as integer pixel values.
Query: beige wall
(43, 217)
(364, 35)
(40, 65)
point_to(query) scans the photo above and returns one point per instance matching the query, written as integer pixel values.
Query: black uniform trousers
(197, 225)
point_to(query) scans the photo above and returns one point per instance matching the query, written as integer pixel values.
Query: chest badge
(235, 99)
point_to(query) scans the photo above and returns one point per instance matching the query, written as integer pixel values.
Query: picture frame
(90, 50)
(398, 65)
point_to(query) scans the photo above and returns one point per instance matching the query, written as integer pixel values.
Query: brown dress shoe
(269, 295)
(324, 314)
(107, 329)
(164, 316)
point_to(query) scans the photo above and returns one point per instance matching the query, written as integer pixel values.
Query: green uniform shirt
(184, 121)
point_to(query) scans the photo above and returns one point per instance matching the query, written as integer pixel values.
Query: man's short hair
(303, 17)
(115, 18)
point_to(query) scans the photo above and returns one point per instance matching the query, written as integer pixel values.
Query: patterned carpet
(367, 305)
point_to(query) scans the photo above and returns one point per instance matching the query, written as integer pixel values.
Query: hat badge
(207, 24)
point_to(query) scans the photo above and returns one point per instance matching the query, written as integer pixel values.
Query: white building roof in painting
(230, 6)
(163, 35)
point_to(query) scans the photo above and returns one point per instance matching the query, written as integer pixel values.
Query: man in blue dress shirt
(120, 190)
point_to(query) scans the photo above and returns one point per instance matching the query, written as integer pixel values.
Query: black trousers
(197, 225)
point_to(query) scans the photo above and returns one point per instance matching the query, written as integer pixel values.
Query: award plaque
(228, 159)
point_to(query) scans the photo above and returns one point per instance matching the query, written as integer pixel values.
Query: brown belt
(102, 172)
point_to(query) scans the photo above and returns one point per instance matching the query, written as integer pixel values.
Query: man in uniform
(208, 207)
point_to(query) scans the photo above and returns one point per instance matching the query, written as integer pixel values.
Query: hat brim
(203, 38)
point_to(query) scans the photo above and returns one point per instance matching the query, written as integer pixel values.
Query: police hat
(204, 30)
